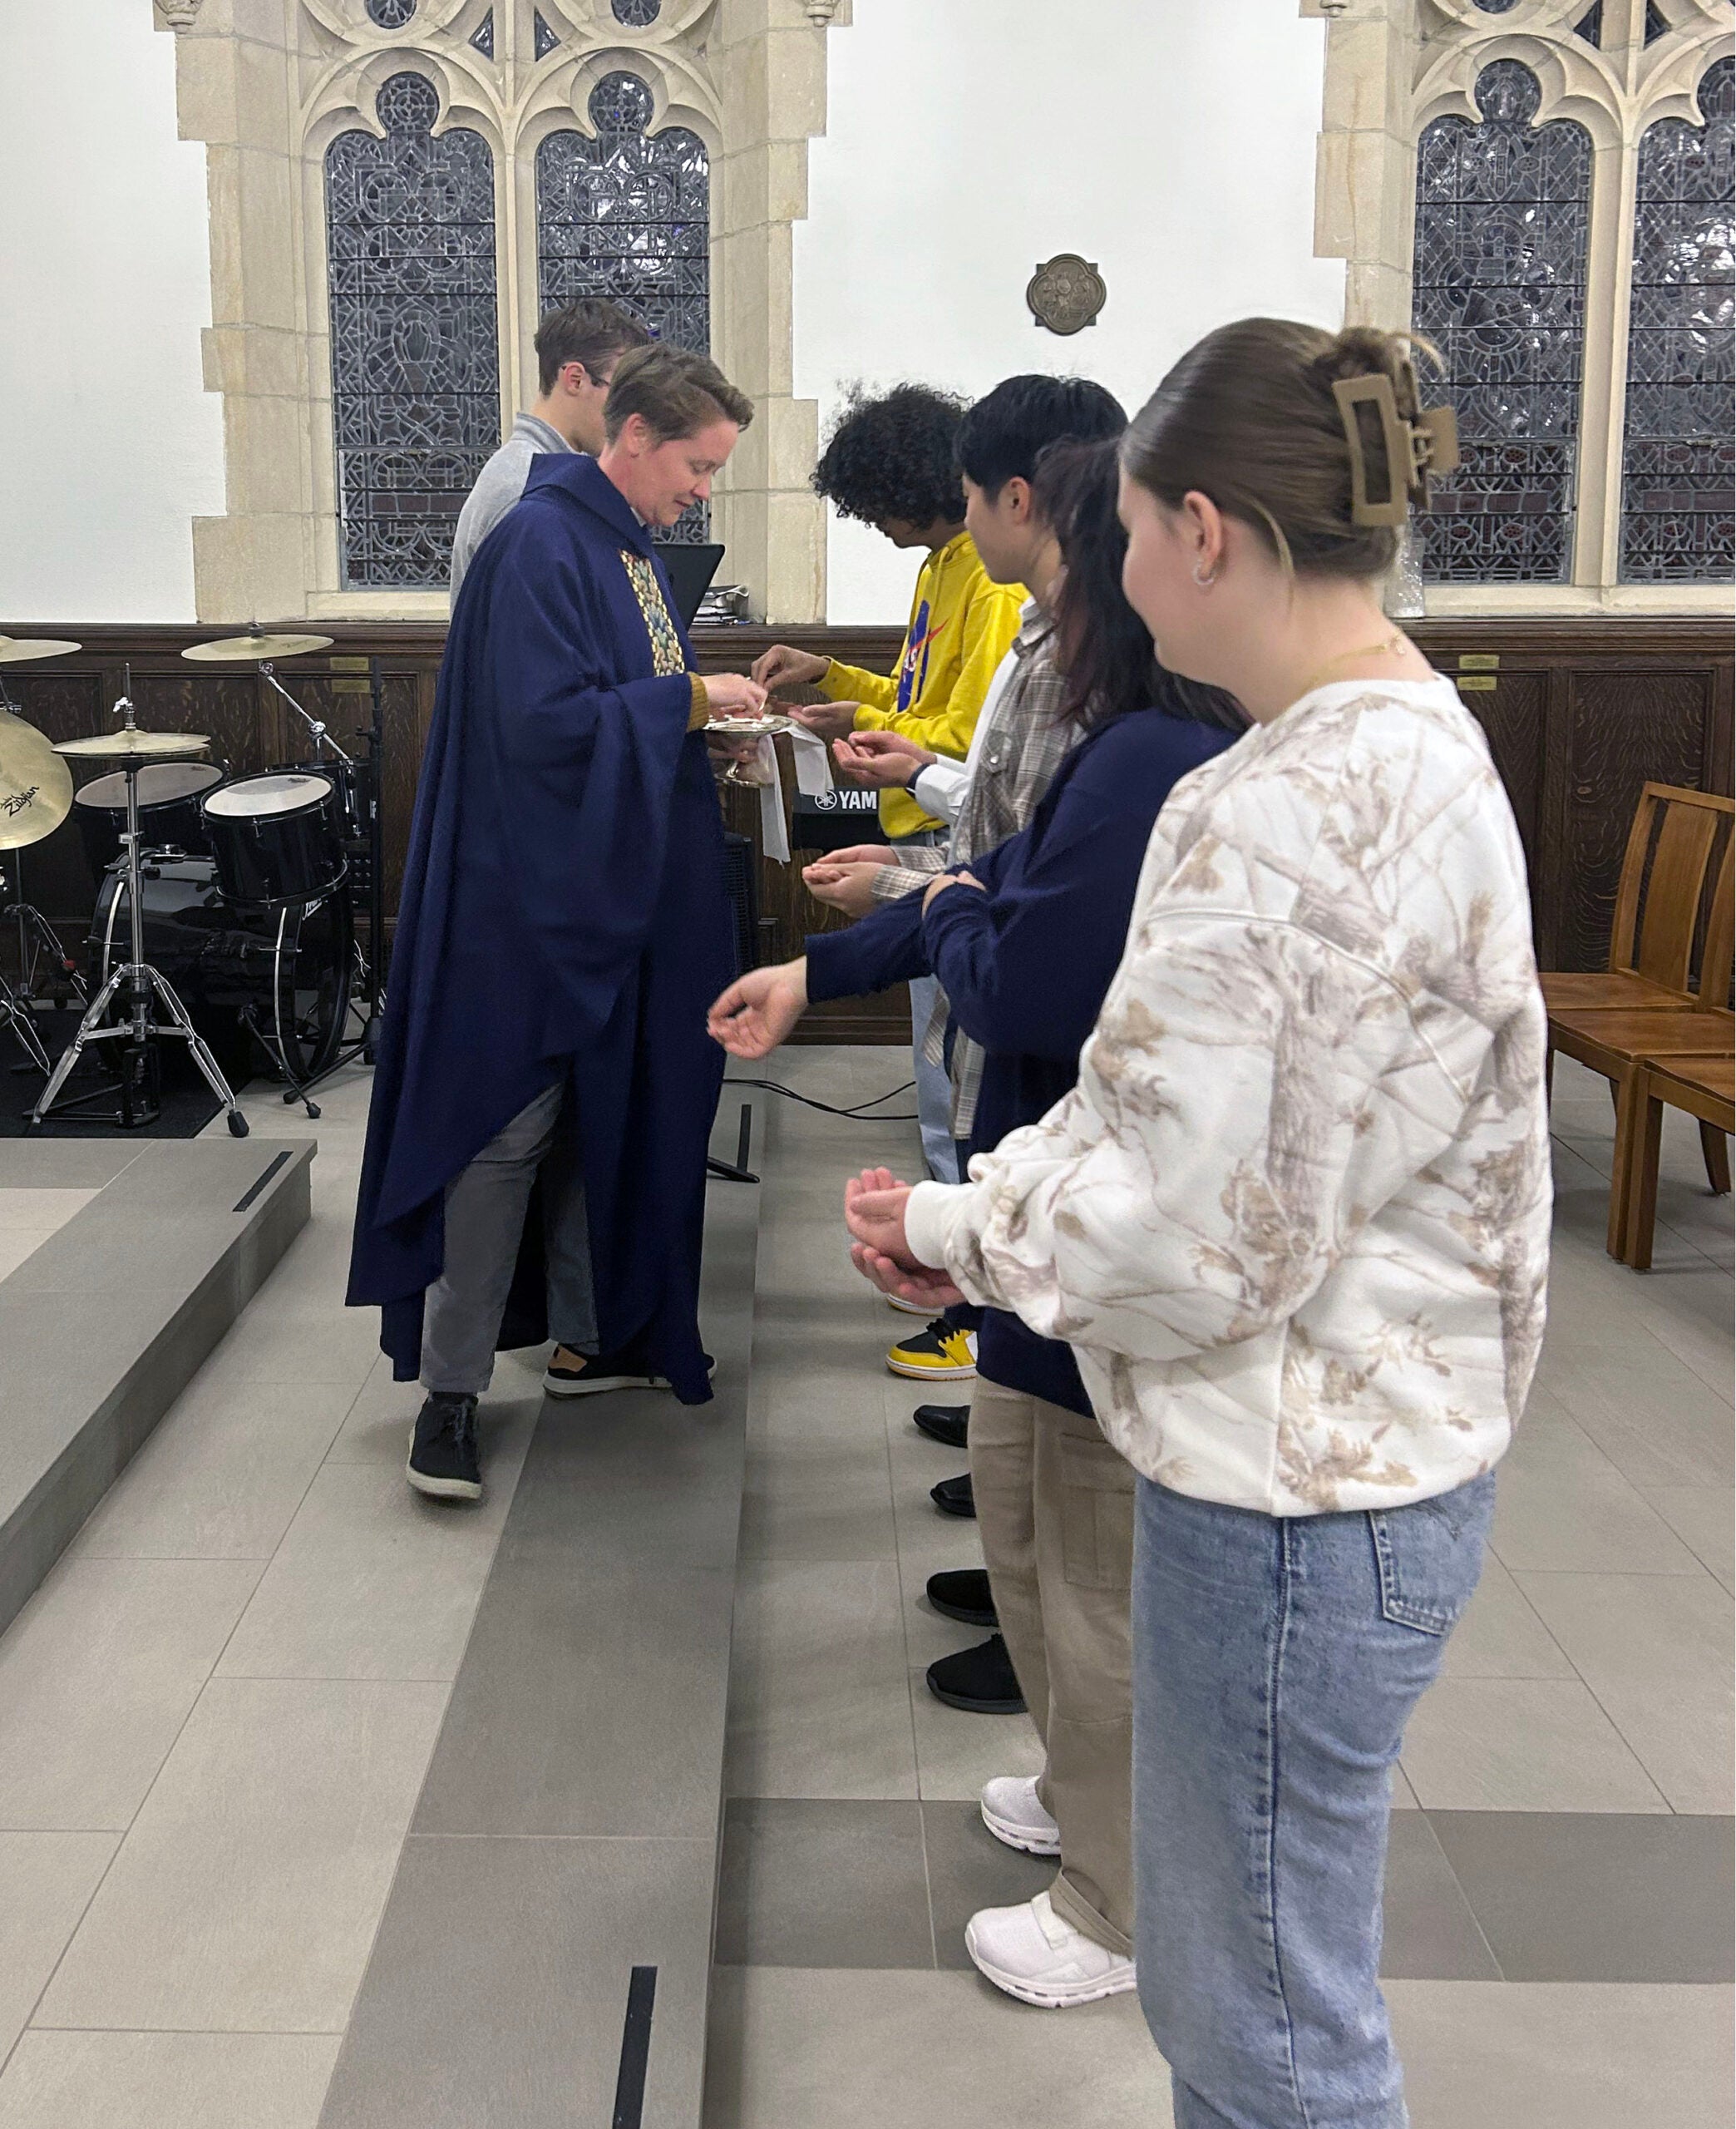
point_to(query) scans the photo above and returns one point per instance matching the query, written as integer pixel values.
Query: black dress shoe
(953, 1496)
(443, 1460)
(980, 1680)
(962, 1592)
(942, 1422)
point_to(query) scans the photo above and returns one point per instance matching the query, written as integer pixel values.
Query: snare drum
(275, 838)
(352, 782)
(169, 810)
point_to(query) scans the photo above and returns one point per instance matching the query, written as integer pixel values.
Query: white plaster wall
(1172, 141)
(109, 445)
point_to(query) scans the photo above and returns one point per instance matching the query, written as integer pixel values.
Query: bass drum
(170, 819)
(267, 990)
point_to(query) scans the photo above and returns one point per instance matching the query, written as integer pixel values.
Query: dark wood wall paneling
(1584, 712)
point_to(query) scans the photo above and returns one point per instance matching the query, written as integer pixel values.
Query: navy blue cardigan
(1025, 966)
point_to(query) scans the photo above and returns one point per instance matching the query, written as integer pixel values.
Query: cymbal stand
(370, 964)
(37, 942)
(148, 993)
(322, 735)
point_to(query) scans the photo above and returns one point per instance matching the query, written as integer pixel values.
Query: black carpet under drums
(187, 1102)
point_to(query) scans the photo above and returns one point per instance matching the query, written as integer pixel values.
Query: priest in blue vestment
(545, 1087)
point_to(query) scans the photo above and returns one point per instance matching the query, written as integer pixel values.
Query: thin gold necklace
(1393, 646)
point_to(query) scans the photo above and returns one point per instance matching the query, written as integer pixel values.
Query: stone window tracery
(1503, 211)
(410, 232)
(1679, 461)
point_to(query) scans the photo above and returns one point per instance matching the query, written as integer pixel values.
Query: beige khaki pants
(1054, 1505)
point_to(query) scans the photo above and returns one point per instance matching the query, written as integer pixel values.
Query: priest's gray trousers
(485, 1219)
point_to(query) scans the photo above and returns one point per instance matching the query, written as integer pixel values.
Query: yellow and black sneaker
(939, 1354)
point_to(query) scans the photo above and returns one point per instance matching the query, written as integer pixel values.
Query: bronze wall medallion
(1067, 293)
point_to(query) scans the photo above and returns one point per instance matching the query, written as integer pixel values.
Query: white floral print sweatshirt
(1295, 1216)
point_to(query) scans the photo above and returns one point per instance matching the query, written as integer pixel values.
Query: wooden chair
(1657, 907)
(1615, 1041)
(1705, 1087)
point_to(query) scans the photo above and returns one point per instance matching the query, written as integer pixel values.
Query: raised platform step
(104, 1326)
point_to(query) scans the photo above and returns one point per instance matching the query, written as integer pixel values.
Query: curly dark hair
(1101, 644)
(892, 457)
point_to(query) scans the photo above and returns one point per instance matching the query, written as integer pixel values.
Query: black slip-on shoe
(443, 1460)
(980, 1680)
(955, 1496)
(622, 1370)
(942, 1422)
(962, 1593)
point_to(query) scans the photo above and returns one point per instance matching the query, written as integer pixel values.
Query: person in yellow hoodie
(891, 464)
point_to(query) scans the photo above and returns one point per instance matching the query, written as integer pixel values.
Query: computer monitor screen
(690, 570)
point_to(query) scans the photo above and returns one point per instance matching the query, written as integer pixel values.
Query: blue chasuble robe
(564, 918)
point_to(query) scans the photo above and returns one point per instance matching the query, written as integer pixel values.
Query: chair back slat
(1623, 931)
(1717, 959)
(1676, 886)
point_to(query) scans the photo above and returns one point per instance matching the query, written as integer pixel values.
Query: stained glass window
(637, 14)
(1590, 25)
(1678, 464)
(410, 231)
(391, 14)
(1497, 7)
(628, 216)
(1503, 213)
(483, 38)
(1656, 25)
(543, 38)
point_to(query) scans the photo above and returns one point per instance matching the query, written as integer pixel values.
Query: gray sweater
(499, 486)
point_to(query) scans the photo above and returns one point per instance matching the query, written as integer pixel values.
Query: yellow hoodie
(962, 625)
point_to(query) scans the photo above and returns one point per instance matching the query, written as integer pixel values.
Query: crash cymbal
(19, 649)
(250, 649)
(36, 785)
(126, 745)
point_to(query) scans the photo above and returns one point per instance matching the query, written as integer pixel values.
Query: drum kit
(225, 905)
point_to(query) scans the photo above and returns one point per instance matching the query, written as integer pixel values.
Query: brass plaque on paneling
(1477, 684)
(351, 688)
(357, 665)
(1470, 661)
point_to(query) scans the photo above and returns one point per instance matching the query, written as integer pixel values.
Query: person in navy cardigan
(1025, 942)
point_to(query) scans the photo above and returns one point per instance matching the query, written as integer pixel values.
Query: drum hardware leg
(13, 1015)
(202, 1057)
(37, 942)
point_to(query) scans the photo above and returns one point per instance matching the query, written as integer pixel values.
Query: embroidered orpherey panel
(628, 216)
(415, 405)
(1678, 461)
(1503, 217)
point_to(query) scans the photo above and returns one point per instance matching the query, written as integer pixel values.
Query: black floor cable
(855, 1115)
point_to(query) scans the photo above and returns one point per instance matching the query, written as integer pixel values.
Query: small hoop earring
(1206, 581)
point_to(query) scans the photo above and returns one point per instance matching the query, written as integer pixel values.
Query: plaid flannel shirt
(1019, 748)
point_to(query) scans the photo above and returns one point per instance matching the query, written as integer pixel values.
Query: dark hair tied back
(1252, 416)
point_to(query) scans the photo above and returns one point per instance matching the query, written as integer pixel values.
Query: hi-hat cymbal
(17, 650)
(126, 745)
(250, 649)
(36, 785)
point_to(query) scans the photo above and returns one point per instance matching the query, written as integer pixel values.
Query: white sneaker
(1013, 1814)
(1033, 1955)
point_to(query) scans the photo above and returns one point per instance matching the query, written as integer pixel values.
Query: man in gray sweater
(577, 348)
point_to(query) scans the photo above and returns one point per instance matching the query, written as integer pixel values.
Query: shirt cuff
(893, 882)
(930, 1214)
(939, 786)
(699, 705)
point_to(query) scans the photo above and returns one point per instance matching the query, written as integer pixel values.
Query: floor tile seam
(208, 2032)
(1632, 1749)
(29, 2023)
(694, 1840)
(1464, 1893)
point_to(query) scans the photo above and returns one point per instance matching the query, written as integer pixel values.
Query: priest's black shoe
(962, 1592)
(955, 1496)
(980, 1680)
(443, 1460)
(942, 1422)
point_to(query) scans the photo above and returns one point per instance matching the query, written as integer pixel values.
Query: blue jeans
(1275, 1663)
(934, 1084)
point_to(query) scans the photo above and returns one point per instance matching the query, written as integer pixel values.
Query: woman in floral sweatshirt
(1293, 1218)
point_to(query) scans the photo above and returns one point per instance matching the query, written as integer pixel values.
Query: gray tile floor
(217, 1716)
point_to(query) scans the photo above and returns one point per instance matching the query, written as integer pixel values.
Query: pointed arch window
(628, 216)
(415, 402)
(1503, 223)
(1679, 461)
